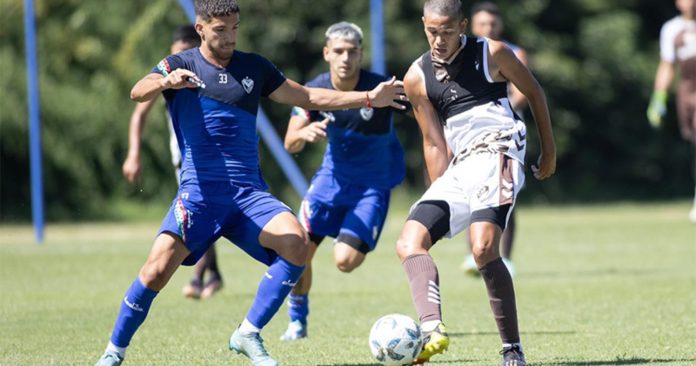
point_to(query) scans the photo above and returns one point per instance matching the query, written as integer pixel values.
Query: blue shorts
(332, 207)
(200, 214)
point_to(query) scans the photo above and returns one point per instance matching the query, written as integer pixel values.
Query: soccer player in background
(474, 147)
(487, 22)
(184, 38)
(212, 95)
(349, 195)
(678, 47)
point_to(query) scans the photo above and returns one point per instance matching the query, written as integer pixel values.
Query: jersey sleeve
(667, 36)
(273, 77)
(168, 64)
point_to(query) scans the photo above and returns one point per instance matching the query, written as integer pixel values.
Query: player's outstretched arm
(517, 99)
(386, 94)
(434, 145)
(510, 68)
(152, 84)
(131, 166)
(300, 131)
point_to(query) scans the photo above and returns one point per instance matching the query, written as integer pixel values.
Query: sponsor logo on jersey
(367, 113)
(248, 85)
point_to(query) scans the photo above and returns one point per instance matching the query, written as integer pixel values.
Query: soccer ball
(395, 340)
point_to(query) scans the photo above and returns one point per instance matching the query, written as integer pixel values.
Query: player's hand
(545, 166)
(179, 79)
(131, 169)
(315, 131)
(387, 93)
(657, 108)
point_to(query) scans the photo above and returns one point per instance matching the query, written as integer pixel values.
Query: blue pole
(286, 162)
(267, 132)
(189, 9)
(37, 204)
(377, 27)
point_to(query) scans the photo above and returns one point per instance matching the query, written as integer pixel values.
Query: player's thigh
(365, 220)
(266, 228)
(193, 218)
(284, 235)
(494, 194)
(320, 219)
(445, 203)
(166, 255)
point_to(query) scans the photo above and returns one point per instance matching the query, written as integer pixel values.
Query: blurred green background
(596, 60)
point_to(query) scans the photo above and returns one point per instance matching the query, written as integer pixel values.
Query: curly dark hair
(207, 9)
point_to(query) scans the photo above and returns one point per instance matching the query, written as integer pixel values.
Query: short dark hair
(187, 34)
(486, 6)
(451, 8)
(208, 9)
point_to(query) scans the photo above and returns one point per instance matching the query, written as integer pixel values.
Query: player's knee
(484, 251)
(152, 277)
(405, 247)
(295, 249)
(347, 264)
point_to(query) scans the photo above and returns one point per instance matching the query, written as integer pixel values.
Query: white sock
(513, 344)
(430, 325)
(247, 327)
(114, 348)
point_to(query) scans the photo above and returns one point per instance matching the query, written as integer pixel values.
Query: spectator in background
(678, 47)
(487, 22)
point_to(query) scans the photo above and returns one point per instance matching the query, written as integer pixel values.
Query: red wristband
(368, 102)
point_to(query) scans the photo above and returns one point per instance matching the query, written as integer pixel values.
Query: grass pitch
(596, 285)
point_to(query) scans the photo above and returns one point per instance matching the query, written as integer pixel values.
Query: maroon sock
(501, 295)
(425, 286)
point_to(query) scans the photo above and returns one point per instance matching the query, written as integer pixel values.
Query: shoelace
(514, 349)
(258, 346)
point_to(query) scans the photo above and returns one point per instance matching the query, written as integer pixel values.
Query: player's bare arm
(434, 145)
(505, 66)
(386, 94)
(131, 166)
(300, 131)
(153, 84)
(517, 99)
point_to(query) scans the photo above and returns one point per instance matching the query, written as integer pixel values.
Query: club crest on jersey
(248, 84)
(366, 113)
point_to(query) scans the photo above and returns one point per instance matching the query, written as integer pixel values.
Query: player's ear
(199, 30)
(463, 24)
(326, 53)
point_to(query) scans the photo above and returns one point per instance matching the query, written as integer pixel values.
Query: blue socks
(134, 309)
(275, 285)
(298, 308)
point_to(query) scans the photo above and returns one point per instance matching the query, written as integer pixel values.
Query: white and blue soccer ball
(395, 340)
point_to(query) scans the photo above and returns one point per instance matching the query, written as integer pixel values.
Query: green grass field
(596, 285)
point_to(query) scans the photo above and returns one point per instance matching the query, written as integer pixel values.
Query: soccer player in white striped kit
(474, 147)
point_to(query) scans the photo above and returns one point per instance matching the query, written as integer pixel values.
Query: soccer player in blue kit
(212, 94)
(349, 195)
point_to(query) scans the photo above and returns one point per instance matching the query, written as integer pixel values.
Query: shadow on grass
(593, 273)
(618, 361)
(446, 362)
(540, 332)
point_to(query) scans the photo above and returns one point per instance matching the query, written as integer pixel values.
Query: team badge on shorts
(248, 85)
(366, 113)
(183, 218)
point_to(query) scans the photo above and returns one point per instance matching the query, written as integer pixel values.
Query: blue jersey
(362, 147)
(216, 125)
